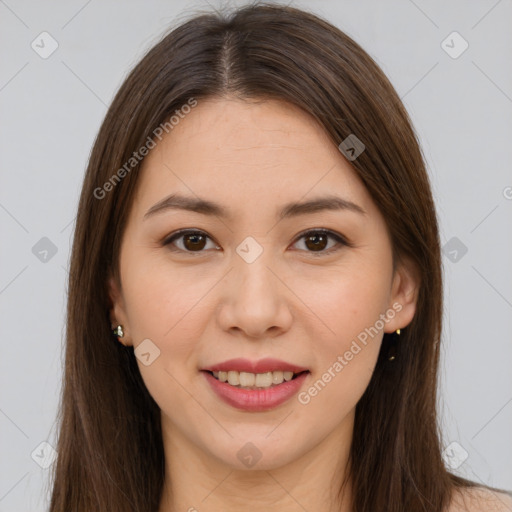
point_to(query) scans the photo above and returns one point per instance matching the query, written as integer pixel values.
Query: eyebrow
(205, 207)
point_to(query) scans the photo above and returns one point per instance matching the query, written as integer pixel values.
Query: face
(312, 288)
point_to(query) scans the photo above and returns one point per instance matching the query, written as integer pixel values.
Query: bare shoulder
(480, 499)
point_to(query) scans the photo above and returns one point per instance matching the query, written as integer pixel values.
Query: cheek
(161, 300)
(166, 306)
(345, 361)
(348, 306)
(348, 351)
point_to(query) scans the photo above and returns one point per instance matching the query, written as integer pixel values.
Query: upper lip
(261, 366)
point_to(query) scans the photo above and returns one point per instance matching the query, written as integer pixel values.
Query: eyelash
(326, 232)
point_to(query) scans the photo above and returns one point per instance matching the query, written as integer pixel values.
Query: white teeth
(247, 379)
(234, 378)
(277, 377)
(264, 380)
(287, 375)
(250, 380)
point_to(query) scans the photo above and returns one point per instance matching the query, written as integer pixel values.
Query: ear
(404, 292)
(117, 309)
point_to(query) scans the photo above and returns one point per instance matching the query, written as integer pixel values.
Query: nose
(255, 299)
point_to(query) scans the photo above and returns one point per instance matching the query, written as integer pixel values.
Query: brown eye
(194, 241)
(317, 240)
(191, 241)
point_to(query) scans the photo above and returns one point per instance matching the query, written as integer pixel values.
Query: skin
(292, 303)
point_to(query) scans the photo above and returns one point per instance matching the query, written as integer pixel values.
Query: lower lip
(255, 400)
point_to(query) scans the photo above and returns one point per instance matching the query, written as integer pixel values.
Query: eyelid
(182, 232)
(340, 239)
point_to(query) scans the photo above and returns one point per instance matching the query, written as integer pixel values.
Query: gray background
(51, 110)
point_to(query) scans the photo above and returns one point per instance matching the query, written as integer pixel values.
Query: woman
(255, 296)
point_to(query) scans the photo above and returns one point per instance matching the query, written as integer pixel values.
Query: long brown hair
(110, 450)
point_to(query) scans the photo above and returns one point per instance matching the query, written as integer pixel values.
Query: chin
(257, 453)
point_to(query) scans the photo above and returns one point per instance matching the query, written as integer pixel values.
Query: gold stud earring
(392, 348)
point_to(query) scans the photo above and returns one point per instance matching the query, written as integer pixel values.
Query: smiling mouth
(254, 381)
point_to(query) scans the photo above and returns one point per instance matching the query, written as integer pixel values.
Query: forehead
(227, 126)
(242, 152)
